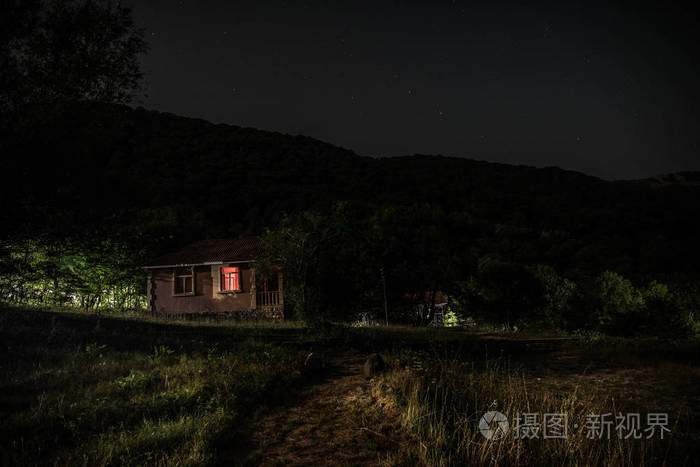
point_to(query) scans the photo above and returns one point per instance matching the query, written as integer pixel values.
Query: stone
(373, 365)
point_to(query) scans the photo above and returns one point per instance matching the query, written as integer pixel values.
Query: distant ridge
(189, 179)
(678, 178)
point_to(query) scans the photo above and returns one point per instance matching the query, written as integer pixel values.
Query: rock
(373, 365)
(312, 364)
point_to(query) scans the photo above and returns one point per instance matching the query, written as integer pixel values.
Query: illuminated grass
(75, 396)
(442, 399)
(146, 390)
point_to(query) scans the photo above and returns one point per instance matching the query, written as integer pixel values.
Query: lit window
(230, 279)
(184, 282)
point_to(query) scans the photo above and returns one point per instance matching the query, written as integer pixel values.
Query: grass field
(132, 391)
(75, 390)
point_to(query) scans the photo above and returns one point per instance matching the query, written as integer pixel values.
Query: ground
(75, 389)
(333, 420)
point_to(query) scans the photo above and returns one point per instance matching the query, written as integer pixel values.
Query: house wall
(207, 297)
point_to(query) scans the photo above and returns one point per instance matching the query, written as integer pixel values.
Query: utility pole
(386, 307)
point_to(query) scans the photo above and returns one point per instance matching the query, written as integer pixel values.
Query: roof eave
(207, 263)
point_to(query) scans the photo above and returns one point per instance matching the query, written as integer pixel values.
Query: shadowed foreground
(337, 419)
(75, 389)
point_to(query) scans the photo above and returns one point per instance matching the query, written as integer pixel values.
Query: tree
(304, 245)
(559, 293)
(68, 50)
(666, 312)
(616, 303)
(416, 251)
(56, 55)
(510, 291)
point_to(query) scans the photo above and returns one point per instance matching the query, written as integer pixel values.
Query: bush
(558, 296)
(619, 308)
(617, 304)
(666, 313)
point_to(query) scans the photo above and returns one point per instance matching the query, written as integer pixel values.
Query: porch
(264, 300)
(268, 296)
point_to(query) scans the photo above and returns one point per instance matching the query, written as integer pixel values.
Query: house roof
(437, 299)
(212, 251)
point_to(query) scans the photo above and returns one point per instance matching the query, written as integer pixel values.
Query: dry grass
(142, 390)
(442, 400)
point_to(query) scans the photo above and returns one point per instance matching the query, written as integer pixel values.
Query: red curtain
(230, 279)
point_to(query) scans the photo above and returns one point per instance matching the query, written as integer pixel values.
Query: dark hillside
(169, 179)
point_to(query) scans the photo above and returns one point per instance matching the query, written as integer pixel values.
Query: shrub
(558, 296)
(617, 304)
(666, 313)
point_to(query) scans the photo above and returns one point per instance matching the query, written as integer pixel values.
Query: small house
(215, 276)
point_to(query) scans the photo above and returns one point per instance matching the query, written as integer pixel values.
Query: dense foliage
(507, 244)
(342, 265)
(92, 189)
(53, 51)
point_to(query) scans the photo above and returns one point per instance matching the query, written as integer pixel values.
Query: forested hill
(166, 180)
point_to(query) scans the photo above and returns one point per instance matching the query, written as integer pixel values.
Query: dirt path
(337, 419)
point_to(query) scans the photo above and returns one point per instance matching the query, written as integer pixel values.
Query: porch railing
(268, 299)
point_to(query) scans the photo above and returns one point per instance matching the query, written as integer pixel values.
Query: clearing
(143, 390)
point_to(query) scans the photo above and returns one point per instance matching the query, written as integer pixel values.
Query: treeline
(77, 168)
(89, 276)
(122, 185)
(383, 261)
(513, 246)
(378, 259)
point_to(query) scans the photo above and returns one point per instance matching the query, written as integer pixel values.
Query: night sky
(607, 90)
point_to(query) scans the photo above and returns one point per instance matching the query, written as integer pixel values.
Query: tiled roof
(437, 299)
(209, 251)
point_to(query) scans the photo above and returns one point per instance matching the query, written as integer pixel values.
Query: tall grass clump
(441, 402)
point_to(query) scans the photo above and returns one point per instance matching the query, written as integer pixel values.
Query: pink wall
(206, 298)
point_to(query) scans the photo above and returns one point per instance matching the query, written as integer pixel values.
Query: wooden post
(280, 283)
(216, 281)
(149, 292)
(386, 306)
(253, 290)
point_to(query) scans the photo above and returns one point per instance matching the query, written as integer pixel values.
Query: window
(184, 282)
(230, 279)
